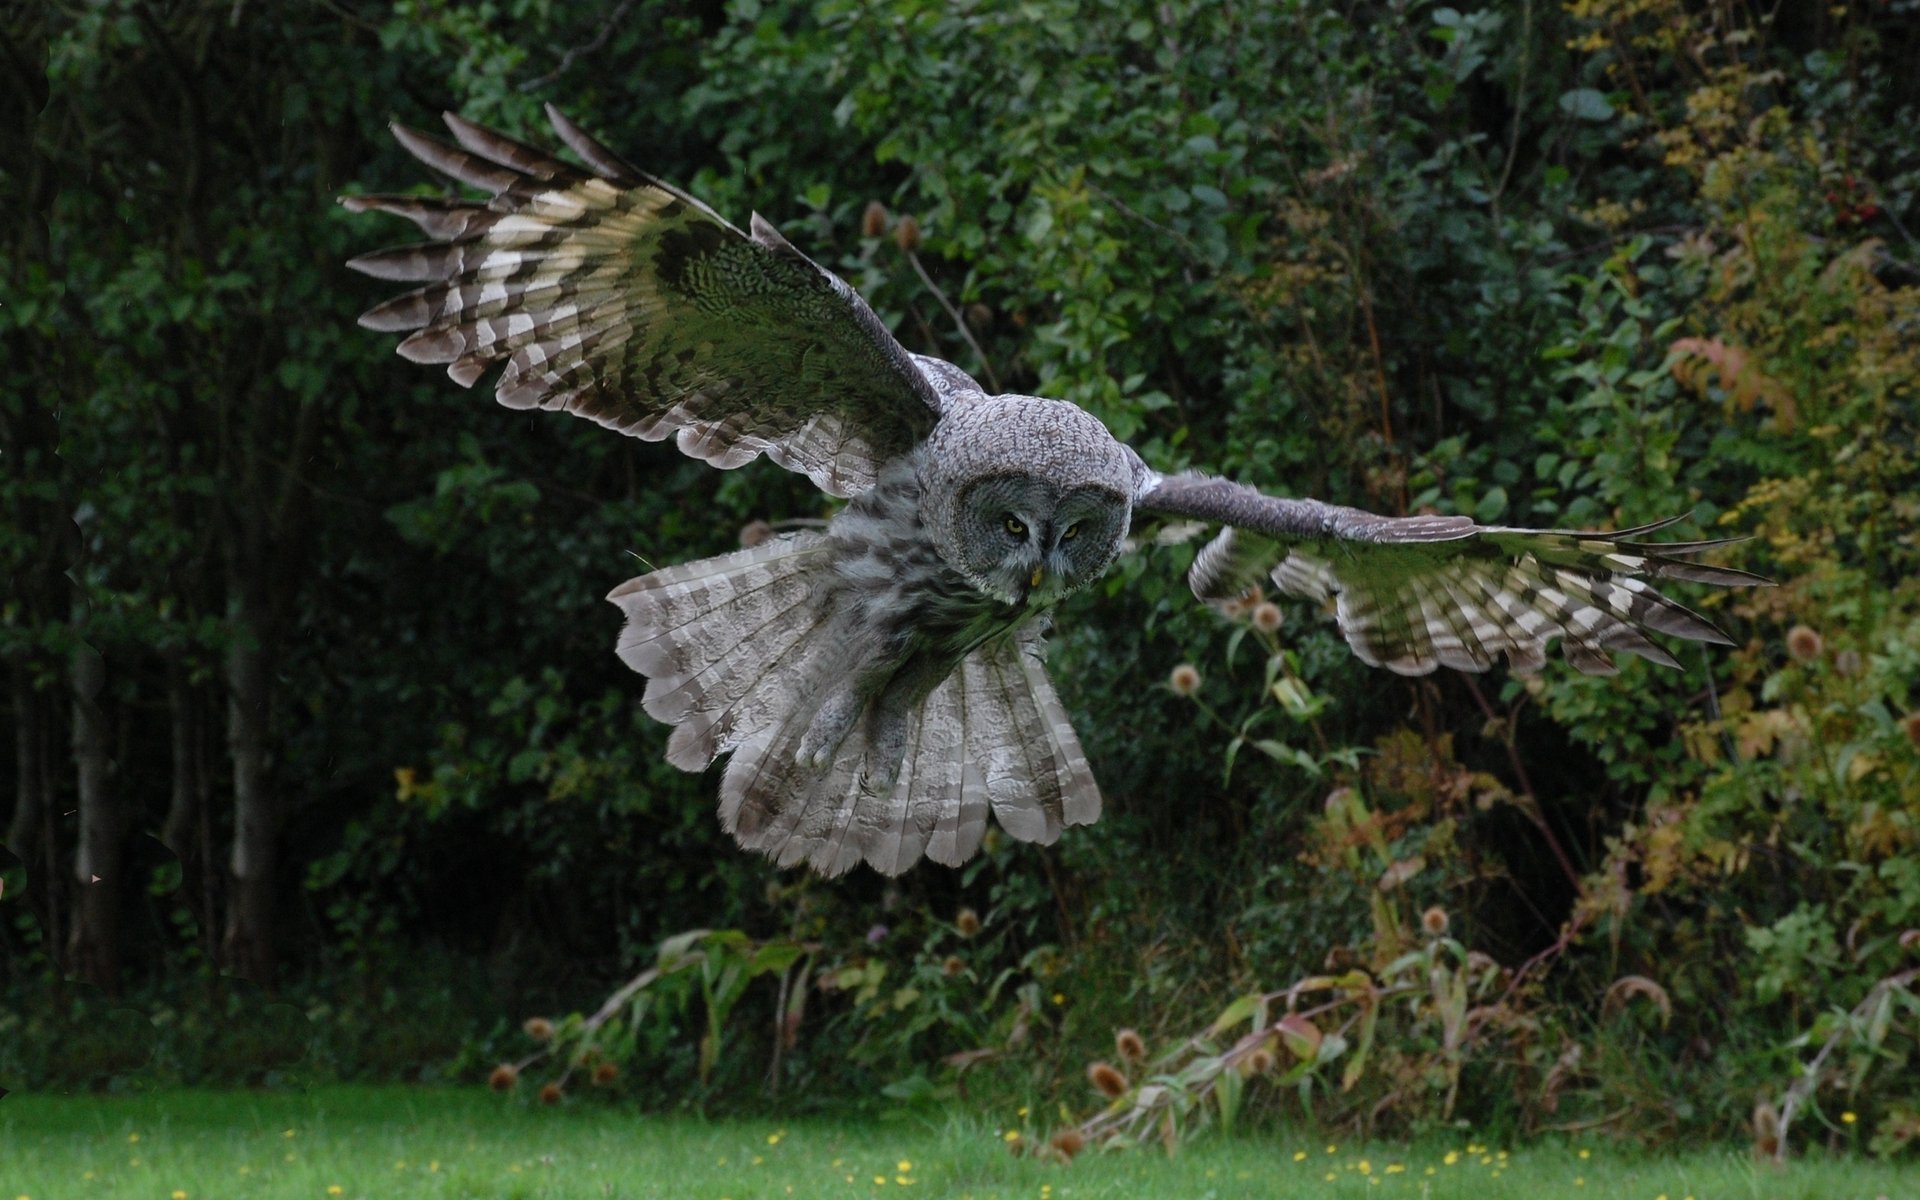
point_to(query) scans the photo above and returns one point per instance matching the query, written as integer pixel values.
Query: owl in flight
(879, 685)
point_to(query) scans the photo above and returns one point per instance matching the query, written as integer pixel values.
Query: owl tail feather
(991, 737)
(730, 645)
(740, 651)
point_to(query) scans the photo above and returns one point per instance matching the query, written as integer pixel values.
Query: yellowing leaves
(1742, 382)
(1760, 732)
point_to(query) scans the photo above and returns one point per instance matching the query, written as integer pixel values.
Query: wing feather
(609, 294)
(1415, 593)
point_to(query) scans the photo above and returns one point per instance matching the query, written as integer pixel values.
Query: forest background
(321, 765)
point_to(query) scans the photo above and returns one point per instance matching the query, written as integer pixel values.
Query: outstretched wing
(612, 295)
(1413, 593)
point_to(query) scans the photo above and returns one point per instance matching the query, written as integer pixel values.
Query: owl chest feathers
(895, 597)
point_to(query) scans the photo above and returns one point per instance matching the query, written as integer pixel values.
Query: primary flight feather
(878, 687)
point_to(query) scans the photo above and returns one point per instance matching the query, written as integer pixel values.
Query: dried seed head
(873, 222)
(1804, 643)
(753, 533)
(1129, 1046)
(952, 966)
(1434, 921)
(1266, 616)
(1260, 1061)
(1847, 662)
(1766, 1130)
(1068, 1141)
(1910, 725)
(979, 315)
(539, 1029)
(967, 922)
(906, 234)
(550, 1093)
(1107, 1079)
(604, 1074)
(1184, 680)
(504, 1077)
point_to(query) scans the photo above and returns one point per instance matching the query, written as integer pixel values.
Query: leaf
(1400, 872)
(1627, 987)
(1331, 1047)
(1587, 104)
(1209, 195)
(677, 951)
(1301, 1037)
(1234, 1013)
(1369, 1019)
(1228, 1087)
(774, 956)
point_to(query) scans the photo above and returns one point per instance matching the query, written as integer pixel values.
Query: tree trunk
(248, 947)
(186, 830)
(30, 774)
(30, 829)
(93, 948)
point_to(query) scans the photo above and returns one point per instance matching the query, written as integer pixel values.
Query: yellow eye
(1073, 531)
(1015, 527)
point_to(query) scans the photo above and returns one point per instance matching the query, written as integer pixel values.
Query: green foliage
(1572, 263)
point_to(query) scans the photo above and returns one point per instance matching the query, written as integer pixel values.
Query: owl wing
(1413, 593)
(610, 294)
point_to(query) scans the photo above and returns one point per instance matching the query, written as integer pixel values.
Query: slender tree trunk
(248, 946)
(185, 830)
(30, 775)
(183, 803)
(93, 949)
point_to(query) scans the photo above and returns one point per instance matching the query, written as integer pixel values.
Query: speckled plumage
(878, 689)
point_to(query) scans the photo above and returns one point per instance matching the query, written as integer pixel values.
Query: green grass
(380, 1143)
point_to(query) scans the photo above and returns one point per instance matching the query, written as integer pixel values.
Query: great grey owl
(879, 685)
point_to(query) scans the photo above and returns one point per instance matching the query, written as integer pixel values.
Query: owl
(877, 687)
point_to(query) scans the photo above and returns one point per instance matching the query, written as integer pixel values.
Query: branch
(959, 321)
(1802, 1089)
(588, 47)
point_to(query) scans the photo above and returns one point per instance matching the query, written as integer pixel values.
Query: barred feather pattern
(992, 737)
(957, 718)
(728, 643)
(1412, 606)
(612, 295)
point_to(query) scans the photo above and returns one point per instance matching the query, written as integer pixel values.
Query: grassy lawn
(379, 1143)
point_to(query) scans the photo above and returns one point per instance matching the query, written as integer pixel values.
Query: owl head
(1027, 498)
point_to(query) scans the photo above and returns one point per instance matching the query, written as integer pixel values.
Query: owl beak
(1037, 573)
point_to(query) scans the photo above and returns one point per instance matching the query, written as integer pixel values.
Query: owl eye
(1015, 526)
(1072, 532)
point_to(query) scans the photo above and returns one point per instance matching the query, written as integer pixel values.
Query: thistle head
(1184, 679)
(1804, 643)
(1107, 1080)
